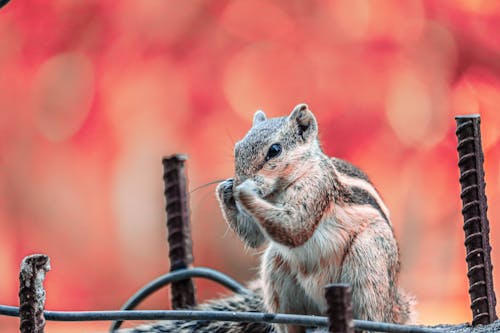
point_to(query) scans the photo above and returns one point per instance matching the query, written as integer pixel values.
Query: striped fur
(321, 221)
(244, 303)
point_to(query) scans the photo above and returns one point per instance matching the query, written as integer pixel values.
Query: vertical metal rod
(339, 299)
(32, 294)
(476, 226)
(179, 232)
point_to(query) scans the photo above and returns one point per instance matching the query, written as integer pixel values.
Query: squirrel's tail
(404, 308)
(251, 302)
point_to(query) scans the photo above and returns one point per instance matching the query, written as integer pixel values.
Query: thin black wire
(175, 276)
(3, 3)
(127, 314)
(7, 310)
(217, 316)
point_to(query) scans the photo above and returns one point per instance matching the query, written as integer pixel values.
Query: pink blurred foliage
(94, 93)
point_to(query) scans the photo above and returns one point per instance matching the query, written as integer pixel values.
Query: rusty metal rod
(476, 225)
(32, 293)
(179, 232)
(339, 299)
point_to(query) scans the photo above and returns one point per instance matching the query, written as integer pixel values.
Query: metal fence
(338, 296)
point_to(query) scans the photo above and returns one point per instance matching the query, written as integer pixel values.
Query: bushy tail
(404, 309)
(403, 313)
(243, 303)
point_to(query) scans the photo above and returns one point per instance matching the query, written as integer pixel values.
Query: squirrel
(322, 221)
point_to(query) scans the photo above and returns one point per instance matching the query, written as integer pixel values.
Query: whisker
(229, 136)
(207, 184)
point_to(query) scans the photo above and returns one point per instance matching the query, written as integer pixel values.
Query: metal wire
(392, 328)
(181, 274)
(178, 275)
(11, 311)
(3, 3)
(126, 314)
(217, 316)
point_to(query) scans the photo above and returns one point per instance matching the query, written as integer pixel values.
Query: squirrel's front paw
(225, 192)
(248, 188)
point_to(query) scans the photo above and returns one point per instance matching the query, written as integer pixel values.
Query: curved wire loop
(178, 275)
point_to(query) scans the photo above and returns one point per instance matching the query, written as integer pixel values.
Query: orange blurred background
(94, 93)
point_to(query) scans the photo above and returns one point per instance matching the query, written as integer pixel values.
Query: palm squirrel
(323, 222)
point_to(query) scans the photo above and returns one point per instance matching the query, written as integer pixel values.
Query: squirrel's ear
(303, 121)
(258, 117)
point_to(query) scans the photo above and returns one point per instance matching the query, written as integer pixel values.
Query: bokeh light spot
(256, 19)
(355, 25)
(477, 92)
(139, 96)
(248, 86)
(409, 107)
(157, 21)
(138, 203)
(63, 93)
(7, 285)
(479, 6)
(381, 18)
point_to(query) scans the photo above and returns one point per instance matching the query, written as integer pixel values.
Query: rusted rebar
(179, 233)
(339, 300)
(32, 293)
(476, 226)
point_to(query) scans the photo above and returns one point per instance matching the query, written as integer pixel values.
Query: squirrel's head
(277, 151)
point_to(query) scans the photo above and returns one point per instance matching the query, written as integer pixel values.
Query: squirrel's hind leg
(282, 292)
(370, 267)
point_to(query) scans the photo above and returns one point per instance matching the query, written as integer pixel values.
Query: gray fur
(321, 221)
(254, 146)
(258, 117)
(237, 302)
(238, 220)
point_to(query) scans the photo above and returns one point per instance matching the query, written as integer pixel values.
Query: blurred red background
(94, 93)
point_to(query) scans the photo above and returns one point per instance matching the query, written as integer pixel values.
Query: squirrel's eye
(273, 151)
